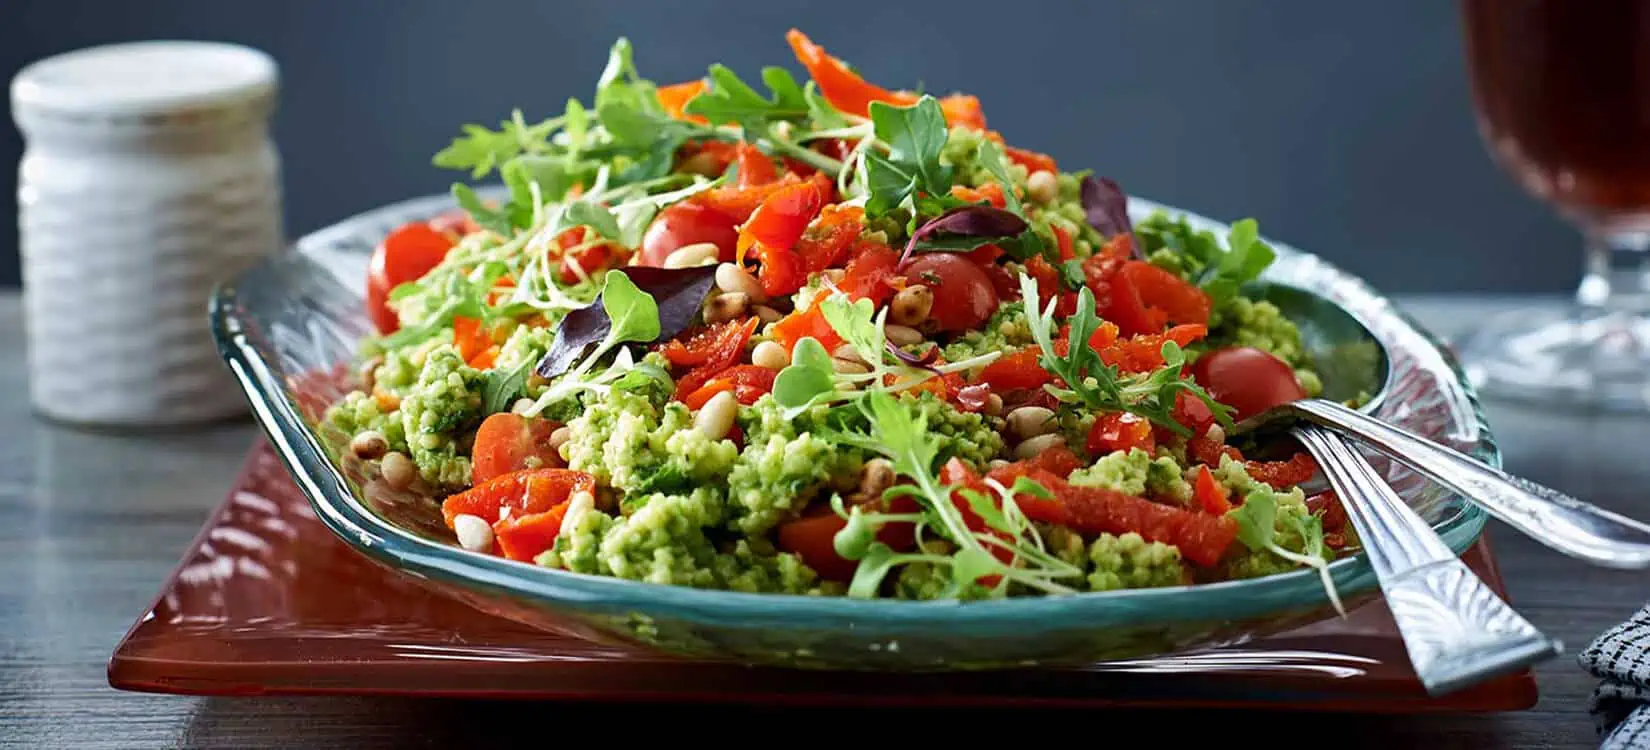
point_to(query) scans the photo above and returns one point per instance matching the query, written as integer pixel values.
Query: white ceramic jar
(148, 176)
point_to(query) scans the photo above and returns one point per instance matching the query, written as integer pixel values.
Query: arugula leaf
(491, 219)
(730, 100)
(481, 150)
(502, 387)
(585, 213)
(1098, 386)
(823, 114)
(991, 158)
(1256, 520)
(915, 135)
(1219, 271)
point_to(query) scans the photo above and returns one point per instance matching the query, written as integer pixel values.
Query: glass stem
(1617, 273)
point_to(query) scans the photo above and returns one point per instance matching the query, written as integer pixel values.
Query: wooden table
(90, 525)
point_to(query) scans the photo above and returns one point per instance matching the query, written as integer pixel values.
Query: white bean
(1037, 445)
(369, 444)
(911, 306)
(715, 418)
(473, 533)
(688, 256)
(848, 352)
(731, 278)
(1042, 187)
(770, 355)
(902, 335)
(1028, 422)
(848, 367)
(399, 471)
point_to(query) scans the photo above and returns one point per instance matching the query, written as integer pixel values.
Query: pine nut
(522, 405)
(911, 306)
(767, 314)
(725, 307)
(993, 404)
(1028, 422)
(731, 278)
(878, 475)
(848, 367)
(473, 532)
(1216, 433)
(1042, 187)
(833, 275)
(770, 355)
(696, 254)
(848, 352)
(1038, 445)
(902, 335)
(996, 463)
(559, 438)
(715, 418)
(369, 445)
(399, 471)
(368, 373)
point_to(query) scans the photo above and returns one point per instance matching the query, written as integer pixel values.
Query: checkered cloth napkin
(1620, 658)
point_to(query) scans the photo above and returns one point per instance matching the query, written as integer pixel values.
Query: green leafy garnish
(1257, 529)
(807, 379)
(915, 135)
(903, 437)
(732, 101)
(989, 156)
(502, 387)
(1097, 386)
(1219, 271)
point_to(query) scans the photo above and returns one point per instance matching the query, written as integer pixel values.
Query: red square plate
(268, 601)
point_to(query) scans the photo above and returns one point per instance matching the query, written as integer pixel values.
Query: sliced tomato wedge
(1120, 431)
(872, 273)
(508, 442)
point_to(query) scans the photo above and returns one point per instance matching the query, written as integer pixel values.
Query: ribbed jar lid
(145, 80)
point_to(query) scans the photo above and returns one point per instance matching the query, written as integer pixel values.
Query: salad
(827, 338)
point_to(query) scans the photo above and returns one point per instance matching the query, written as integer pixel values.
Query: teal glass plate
(288, 329)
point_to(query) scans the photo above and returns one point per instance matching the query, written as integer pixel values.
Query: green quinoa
(668, 449)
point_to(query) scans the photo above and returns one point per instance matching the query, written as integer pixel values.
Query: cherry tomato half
(686, 223)
(406, 254)
(509, 442)
(964, 296)
(1247, 379)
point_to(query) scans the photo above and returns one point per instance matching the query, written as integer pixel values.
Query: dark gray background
(1345, 128)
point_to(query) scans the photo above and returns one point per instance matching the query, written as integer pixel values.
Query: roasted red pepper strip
(1209, 493)
(809, 323)
(531, 502)
(847, 91)
(728, 347)
(1120, 431)
(782, 217)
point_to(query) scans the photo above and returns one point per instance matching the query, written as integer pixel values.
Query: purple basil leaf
(983, 222)
(1107, 208)
(679, 293)
(924, 362)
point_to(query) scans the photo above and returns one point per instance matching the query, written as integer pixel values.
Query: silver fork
(1457, 631)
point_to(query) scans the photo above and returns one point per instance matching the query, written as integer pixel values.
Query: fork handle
(1564, 523)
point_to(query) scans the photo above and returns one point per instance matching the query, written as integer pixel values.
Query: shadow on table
(367, 723)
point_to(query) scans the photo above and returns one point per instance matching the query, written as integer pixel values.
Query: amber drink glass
(1561, 90)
